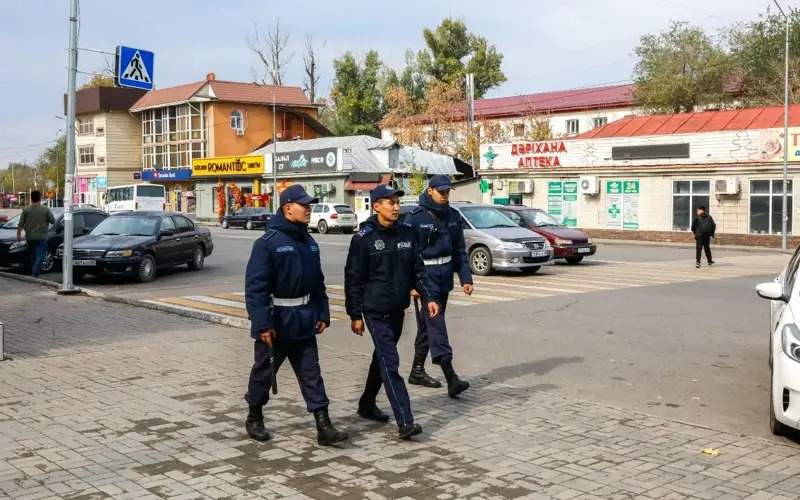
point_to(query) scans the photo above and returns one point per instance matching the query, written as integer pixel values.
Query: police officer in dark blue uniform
(383, 266)
(441, 239)
(288, 308)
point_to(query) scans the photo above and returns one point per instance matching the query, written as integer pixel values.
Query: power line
(27, 146)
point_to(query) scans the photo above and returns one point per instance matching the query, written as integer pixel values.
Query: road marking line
(205, 307)
(215, 301)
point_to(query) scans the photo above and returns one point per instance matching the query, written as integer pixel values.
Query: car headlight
(17, 245)
(588, 241)
(559, 241)
(547, 245)
(119, 253)
(511, 245)
(791, 341)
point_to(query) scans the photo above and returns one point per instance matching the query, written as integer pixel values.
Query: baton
(273, 381)
(420, 319)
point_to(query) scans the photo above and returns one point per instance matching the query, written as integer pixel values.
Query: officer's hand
(433, 309)
(267, 336)
(357, 326)
(321, 326)
(468, 289)
(414, 294)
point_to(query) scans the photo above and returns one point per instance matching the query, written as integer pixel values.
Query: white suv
(327, 216)
(784, 347)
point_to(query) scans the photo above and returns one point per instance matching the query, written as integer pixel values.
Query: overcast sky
(547, 44)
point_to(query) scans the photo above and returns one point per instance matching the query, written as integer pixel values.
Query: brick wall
(754, 240)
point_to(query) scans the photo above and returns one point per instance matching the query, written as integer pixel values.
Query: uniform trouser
(704, 243)
(432, 333)
(304, 358)
(385, 330)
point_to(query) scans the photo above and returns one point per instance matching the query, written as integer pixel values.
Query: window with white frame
(85, 126)
(573, 127)
(86, 155)
(687, 197)
(766, 206)
(519, 129)
(237, 120)
(173, 135)
(599, 121)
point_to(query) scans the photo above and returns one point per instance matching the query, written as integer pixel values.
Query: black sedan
(138, 243)
(248, 218)
(15, 254)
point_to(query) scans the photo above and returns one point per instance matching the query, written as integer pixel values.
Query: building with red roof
(644, 176)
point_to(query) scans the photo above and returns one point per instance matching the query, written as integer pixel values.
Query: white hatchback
(784, 347)
(328, 216)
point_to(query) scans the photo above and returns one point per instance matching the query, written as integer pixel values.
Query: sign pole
(66, 272)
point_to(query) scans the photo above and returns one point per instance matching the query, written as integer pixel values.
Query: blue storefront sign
(172, 174)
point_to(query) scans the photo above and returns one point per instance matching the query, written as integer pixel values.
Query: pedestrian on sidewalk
(288, 307)
(441, 239)
(383, 266)
(704, 228)
(35, 221)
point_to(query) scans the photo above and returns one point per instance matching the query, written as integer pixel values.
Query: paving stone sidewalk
(106, 400)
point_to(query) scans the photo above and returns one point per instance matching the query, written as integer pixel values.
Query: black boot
(407, 431)
(418, 376)
(326, 432)
(372, 412)
(255, 424)
(455, 385)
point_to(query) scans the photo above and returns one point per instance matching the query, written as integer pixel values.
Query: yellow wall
(223, 141)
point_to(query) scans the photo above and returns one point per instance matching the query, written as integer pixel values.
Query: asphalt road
(693, 351)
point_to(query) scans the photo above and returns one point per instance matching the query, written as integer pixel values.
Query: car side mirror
(771, 291)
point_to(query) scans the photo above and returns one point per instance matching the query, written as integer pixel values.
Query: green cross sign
(613, 210)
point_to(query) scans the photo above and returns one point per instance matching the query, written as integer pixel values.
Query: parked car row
(325, 217)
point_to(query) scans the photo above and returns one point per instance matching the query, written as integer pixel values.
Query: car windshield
(539, 218)
(343, 209)
(128, 226)
(12, 223)
(487, 217)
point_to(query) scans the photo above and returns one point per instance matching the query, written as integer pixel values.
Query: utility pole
(72, 70)
(470, 94)
(274, 162)
(784, 208)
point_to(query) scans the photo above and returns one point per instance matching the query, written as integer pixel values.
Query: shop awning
(365, 182)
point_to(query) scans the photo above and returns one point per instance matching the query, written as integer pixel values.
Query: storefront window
(687, 197)
(766, 206)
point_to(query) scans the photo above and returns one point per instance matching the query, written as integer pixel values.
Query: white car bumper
(786, 384)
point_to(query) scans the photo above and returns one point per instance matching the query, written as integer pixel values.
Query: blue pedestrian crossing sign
(134, 68)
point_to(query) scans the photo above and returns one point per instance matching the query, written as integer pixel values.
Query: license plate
(584, 250)
(84, 262)
(540, 253)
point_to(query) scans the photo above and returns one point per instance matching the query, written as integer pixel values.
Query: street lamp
(784, 214)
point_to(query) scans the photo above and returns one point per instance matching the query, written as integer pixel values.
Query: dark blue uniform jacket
(440, 234)
(383, 266)
(285, 263)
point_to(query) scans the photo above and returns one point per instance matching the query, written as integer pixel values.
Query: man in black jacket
(703, 227)
(383, 266)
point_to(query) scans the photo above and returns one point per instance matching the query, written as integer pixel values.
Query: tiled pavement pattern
(592, 276)
(158, 413)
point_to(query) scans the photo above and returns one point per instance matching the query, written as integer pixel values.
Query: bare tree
(311, 79)
(271, 50)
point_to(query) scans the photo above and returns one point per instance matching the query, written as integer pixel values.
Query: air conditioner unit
(727, 186)
(590, 185)
(268, 189)
(239, 132)
(525, 186)
(499, 184)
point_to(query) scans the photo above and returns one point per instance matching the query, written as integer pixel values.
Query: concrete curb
(675, 244)
(208, 317)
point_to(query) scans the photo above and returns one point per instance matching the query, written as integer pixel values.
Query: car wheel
(147, 269)
(322, 227)
(198, 259)
(775, 426)
(224, 224)
(480, 261)
(530, 270)
(48, 263)
(249, 225)
(574, 260)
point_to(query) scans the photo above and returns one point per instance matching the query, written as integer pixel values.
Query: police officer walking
(383, 266)
(287, 304)
(441, 239)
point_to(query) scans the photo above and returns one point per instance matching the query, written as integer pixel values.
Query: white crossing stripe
(599, 276)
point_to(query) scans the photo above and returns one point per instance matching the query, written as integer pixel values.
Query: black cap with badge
(440, 183)
(383, 191)
(296, 194)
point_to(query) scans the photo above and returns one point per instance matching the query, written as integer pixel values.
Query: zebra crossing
(590, 277)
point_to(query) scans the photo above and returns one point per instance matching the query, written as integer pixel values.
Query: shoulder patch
(364, 231)
(268, 234)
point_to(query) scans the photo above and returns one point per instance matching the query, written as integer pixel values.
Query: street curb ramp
(146, 304)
